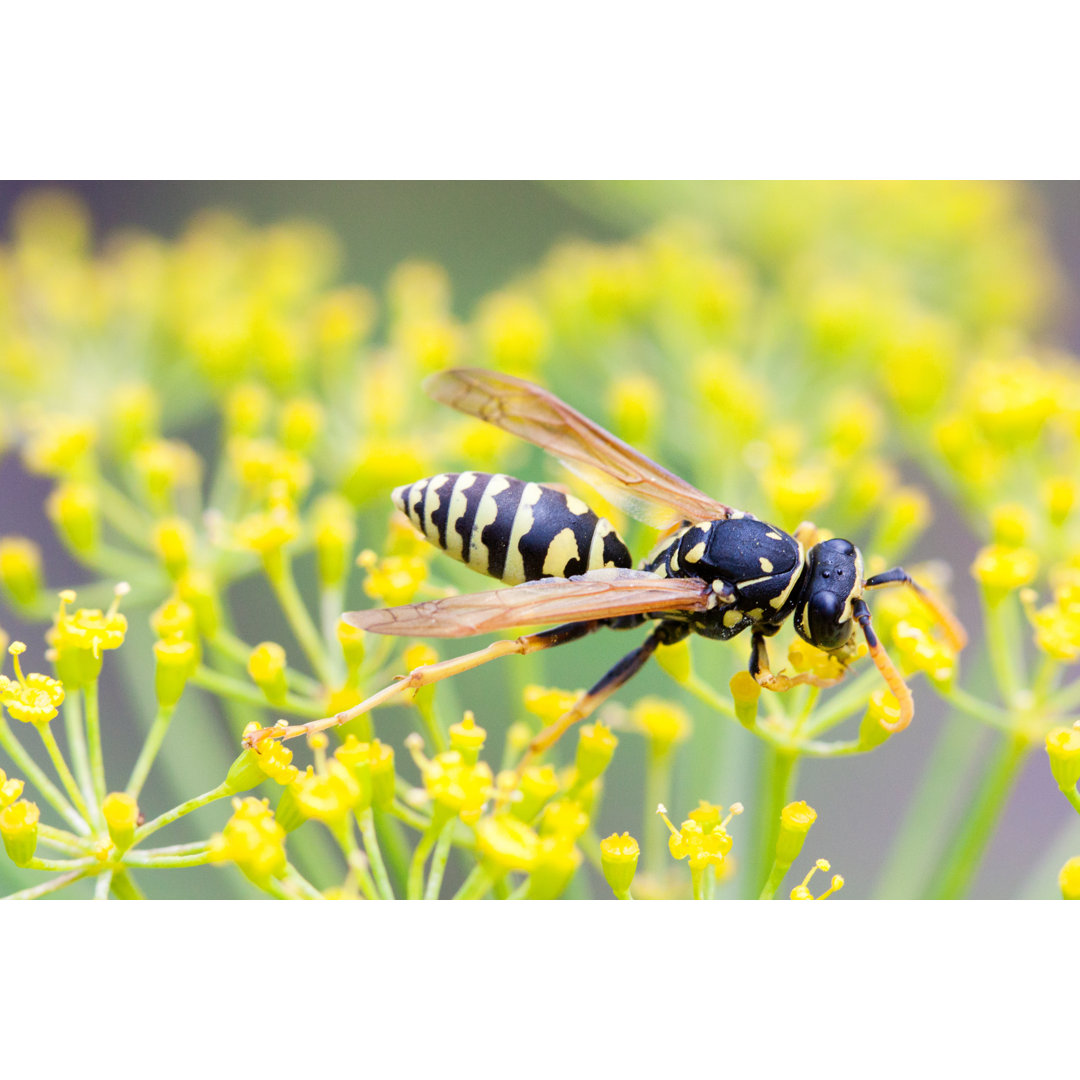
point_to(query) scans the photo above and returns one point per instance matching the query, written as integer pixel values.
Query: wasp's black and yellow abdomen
(510, 529)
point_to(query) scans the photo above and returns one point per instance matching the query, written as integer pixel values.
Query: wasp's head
(832, 582)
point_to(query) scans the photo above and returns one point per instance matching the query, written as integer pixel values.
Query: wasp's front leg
(759, 668)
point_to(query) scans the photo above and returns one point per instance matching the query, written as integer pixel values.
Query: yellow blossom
(467, 738)
(173, 540)
(253, 840)
(394, 579)
(19, 830)
(334, 532)
(79, 638)
(33, 698)
(512, 332)
(506, 844)
(802, 892)
(121, 813)
(74, 509)
(266, 666)
(1002, 569)
(456, 786)
(20, 568)
(1063, 748)
(662, 722)
(175, 661)
(549, 703)
(327, 796)
(618, 860)
(1069, 879)
(700, 847)
(166, 465)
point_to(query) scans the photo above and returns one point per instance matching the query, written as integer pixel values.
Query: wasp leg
(667, 633)
(886, 667)
(759, 668)
(431, 673)
(955, 632)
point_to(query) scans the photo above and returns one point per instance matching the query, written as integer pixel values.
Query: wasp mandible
(716, 571)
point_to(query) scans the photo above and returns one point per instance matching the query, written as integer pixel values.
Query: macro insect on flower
(716, 571)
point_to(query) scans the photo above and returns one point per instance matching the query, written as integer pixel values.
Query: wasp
(716, 571)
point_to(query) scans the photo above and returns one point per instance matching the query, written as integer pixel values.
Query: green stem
(149, 752)
(438, 861)
(657, 793)
(908, 865)
(177, 812)
(781, 770)
(475, 886)
(394, 848)
(63, 864)
(62, 770)
(697, 881)
(93, 739)
(299, 619)
(1074, 798)
(144, 860)
(53, 885)
(62, 840)
(228, 687)
(76, 741)
(1002, 636)
(301, 883)
(776, 876)
(124, 887)
(354, 858)
(366, 820)
(415, 884)
(961, 862)
(29, 768)
(103, 884)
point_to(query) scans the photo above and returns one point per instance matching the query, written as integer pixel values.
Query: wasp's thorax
(831, 583)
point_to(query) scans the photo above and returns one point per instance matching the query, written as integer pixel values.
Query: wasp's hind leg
(667, 633)
(431, 673)
(955, 632)
(759, 668)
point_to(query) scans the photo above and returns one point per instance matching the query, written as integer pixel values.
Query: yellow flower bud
(663, 723)
(595, 749)
(1059, 496)
(795, 821)
(301, 423)
(174, 618)
(1063, 748)
(618, 860)
(165, 466)
(904, 514)
(554, 866)
(247, 409)
(676, 660)
(351, 640)
(537, 785)
(564, 817)
(328, 796)
(196, 589)
(266, 666)
(10, 790)
(245, 772)
(1069, 879)
(1011, 524)
(745, 692)
(20, 568)
(176, 660)
(173, 540)
(19, 830)
(73, 509)
(513, 332)
(335, 533)
(635, 401)
(134, 415)
(467, 738)
(1002, 569)
(382, 775)
(356, 757)
(549, 703)
(121, 813)
(504, 843)
(253, 840)
(882, 713)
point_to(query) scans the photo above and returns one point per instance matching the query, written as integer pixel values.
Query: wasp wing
(627, 477)
(599, 594)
